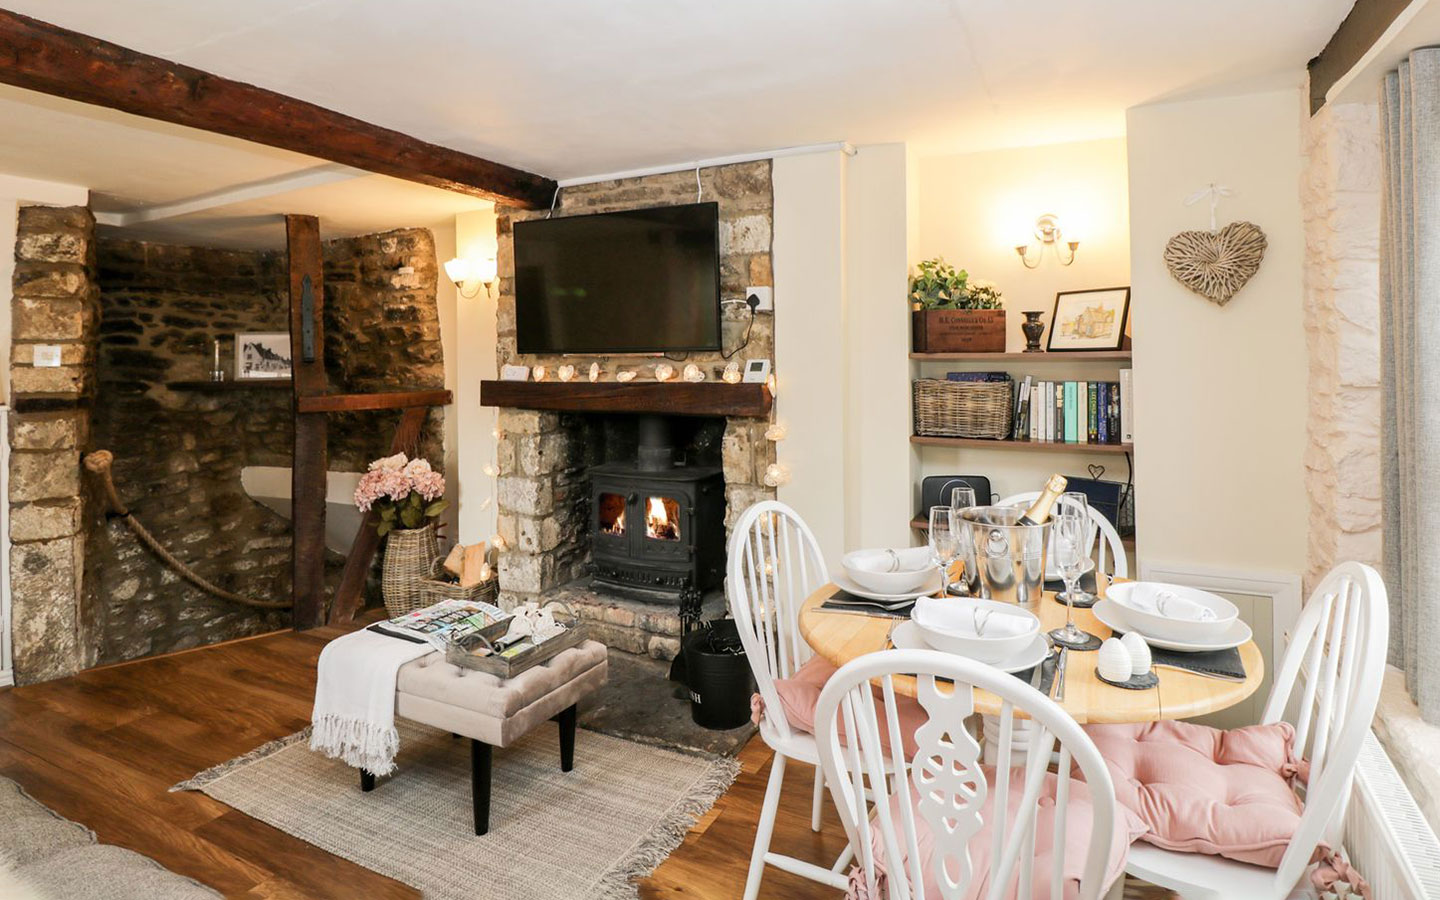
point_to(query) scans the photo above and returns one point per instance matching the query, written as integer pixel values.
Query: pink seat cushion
(800, 692)
(1202, 790)
(1078, 826)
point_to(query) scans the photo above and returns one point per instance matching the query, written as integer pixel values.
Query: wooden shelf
(1036, 446)
(676, 398)
(231, 385)
(1046, 357)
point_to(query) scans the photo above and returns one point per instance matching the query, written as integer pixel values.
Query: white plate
(1113, 614)
(907, 636)
(848, 585)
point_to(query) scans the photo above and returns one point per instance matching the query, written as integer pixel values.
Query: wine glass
(944, 543)
(962, 498)
(1069, 547)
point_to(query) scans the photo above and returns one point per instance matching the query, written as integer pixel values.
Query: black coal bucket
(719, 676)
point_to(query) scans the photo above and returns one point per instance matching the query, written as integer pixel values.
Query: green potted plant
(950, 313)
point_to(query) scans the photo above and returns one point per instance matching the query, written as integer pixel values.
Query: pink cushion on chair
(1126, 828)
(1202, 790)
(800, 692)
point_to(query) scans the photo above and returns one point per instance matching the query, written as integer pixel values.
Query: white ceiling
(593, 86)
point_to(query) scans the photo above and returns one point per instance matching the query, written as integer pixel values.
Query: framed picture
(1089, 320)
(263, 354)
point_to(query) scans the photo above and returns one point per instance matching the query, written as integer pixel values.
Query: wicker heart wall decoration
(1216, 264)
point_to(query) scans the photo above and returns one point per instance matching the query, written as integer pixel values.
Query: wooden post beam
(309, 460)
(42, 57)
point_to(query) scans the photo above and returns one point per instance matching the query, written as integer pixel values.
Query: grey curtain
(1410, 343)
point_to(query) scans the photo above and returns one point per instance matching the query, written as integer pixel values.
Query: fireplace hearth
(658, 528)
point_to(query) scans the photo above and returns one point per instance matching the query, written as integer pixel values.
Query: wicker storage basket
(433, 590)
(410, 556)
(967, 409)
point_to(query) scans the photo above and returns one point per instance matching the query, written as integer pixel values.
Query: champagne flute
(944, 543)
(962, 498)
(1069, 528)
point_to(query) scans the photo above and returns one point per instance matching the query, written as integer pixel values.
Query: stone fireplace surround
(542, 454)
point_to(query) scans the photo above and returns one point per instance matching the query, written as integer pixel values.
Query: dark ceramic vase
(1033, 328)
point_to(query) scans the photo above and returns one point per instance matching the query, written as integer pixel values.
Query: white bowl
(867, 568)
(989, 650)
(1151, 624)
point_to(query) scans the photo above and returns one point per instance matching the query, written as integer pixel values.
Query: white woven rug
(584, 834)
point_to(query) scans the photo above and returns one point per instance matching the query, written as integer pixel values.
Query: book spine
(1114, 412)
(1034, 423)
(1092, 413)
(1082, 403)
(1102, 416)
(1022, 404)
(1072, 412)
(1127, 406)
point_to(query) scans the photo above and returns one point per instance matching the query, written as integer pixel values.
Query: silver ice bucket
(1003, 560)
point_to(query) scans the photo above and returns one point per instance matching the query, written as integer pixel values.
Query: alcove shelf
(1040, 356)
(1039, 446)
(231, 385)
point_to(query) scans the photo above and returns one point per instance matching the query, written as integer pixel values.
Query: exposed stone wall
(540, 475)
(382, 333)
(54, 302)
(179, 453)
(1340, 201)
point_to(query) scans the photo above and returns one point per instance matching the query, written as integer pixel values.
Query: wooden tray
(472, 655)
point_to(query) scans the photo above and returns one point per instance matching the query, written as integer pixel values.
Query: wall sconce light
(461, 271)
(1047, 232)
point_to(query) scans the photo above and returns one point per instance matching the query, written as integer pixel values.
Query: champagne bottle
(1039, 511)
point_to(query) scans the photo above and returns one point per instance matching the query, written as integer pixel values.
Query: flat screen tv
(637, 281)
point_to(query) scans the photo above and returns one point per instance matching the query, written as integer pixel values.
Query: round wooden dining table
(839, 637)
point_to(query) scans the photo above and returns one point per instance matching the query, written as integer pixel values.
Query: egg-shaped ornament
(538, 373)
(594, 372)
(1113, 661)
(664, 372)
(1139, 653)
(625, 375)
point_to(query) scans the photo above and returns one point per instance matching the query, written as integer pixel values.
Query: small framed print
(1089, 320)
(261, 355)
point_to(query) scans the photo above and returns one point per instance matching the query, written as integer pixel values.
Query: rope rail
(98, 463)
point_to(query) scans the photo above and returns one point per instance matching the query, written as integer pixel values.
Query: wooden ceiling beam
(42, 57)
(1361, 28)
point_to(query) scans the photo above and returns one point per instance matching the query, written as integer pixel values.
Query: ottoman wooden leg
(480, 784)
(367, 780)
(567, 738)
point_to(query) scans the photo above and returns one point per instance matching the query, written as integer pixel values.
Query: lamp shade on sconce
(459, 270)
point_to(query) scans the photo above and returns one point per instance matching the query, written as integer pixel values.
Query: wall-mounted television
(637, 281)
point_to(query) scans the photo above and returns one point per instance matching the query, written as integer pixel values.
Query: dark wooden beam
(710, 398)
(367, 542)
(42, 57)
(309, 460)
(1362, 27)
(385, 400)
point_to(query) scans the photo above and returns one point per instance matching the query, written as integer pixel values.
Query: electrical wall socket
(766, 296)
(46, 356)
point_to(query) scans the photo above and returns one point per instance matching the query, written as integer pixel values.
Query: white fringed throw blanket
(354, 717)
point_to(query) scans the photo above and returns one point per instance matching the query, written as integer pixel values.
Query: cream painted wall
(974, 209)
(15, 191)
(473, 361)
(811, 373)
(877, 340)
(841, 335)
(1220, 392)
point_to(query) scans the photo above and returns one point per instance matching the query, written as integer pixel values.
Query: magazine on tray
(443, 622)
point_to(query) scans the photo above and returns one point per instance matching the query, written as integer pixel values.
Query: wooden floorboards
(103, 748)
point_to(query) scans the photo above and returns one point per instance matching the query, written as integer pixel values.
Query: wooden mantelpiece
(675, 398)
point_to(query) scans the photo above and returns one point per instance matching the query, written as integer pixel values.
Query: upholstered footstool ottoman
(492, 712)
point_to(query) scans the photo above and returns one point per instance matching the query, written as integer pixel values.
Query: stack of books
(1071, 412)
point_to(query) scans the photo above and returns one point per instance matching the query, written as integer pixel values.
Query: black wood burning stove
(657, 529)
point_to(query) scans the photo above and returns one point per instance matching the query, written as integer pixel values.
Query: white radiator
(1386, 837)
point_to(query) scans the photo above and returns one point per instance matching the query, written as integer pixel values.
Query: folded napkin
(957, 616)
(883, 561)
(1162, 601)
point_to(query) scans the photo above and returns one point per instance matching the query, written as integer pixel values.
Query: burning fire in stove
(662, 519)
